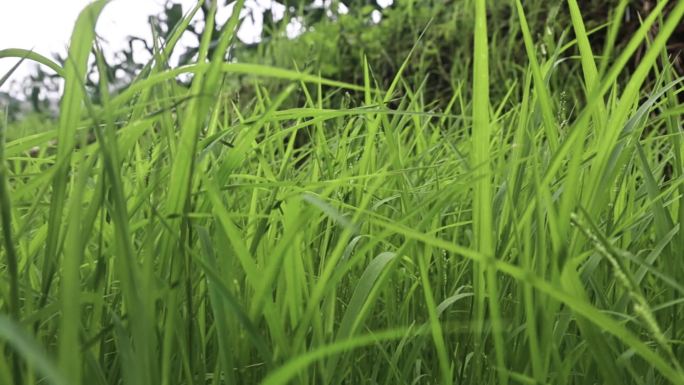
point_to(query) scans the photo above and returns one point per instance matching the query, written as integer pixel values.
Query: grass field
(180, 236)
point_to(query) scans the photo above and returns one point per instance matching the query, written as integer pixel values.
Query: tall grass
(504, 240)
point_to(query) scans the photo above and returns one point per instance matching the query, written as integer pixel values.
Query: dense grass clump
(526, 232)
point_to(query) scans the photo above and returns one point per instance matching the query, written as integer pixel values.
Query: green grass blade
(70, 107)
(483, 226)
(544, 99)
(36, 57)
(30, 350)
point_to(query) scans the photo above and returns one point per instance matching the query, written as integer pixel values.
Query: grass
(500, 240)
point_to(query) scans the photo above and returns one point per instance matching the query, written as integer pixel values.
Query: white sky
(46, 25)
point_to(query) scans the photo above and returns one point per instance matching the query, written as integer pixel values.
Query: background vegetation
(466, 192)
